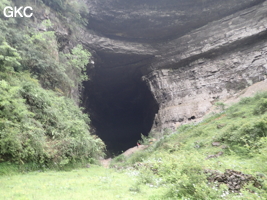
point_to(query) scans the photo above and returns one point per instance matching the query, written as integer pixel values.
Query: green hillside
(222, 157)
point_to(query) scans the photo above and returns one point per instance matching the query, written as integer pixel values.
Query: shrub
(9, 58)
(260, 95)
(186, 178)
(137, 157)
(244, 137)
(144, 140)
(170, 147)
(146, 176)
(261, 107)
(39, 126)
(120, 158)
(135, 188)
(245, 100)
(220, 106)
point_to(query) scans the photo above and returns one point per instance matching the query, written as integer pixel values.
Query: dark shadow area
(121, 107)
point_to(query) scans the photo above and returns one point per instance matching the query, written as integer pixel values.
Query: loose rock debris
(235, 180)
(214, 156)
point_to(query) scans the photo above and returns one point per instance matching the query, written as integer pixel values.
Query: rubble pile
(235, 180)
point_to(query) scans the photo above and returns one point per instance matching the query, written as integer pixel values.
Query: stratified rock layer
(190, 53)
(149, 20)
(211, 63)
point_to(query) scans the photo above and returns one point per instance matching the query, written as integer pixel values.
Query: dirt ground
(134, 149)
(248, 92)
(105, 162)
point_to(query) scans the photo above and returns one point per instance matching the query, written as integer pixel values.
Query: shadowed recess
(121, 107)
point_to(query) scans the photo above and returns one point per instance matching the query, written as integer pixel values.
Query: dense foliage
(39, 48)
(39, 120)
(72, 8)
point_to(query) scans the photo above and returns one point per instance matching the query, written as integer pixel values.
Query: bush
(146, 176)
(39, 126)
(220, 106)
(260, 95)
(234, 112)
(120, 158)
(185, 177)
(245, 100)
(261, 107)
(245, 137)
(137, 157)
(144, 140)
(40, 53)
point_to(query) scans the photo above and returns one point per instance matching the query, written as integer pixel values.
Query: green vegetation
(39, 126)
(40, 123)
(196, 162)
(42, 51)
(42, 128)
(71, 8)
(185, 160)
(83, 184)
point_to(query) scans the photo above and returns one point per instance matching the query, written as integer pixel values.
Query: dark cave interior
(120, 105)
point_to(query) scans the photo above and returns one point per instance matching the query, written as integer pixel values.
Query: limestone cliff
(210, 63)
(190, 53)
(159, 63)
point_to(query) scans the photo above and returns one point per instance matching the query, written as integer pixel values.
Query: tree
(9, 58)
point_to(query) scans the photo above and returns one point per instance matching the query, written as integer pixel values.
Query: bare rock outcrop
(189, 53)
(211, 63)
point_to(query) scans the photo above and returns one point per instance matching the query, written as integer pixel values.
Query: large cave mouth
(121, 107)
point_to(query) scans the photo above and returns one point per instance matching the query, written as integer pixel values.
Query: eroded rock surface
(208, 64)
(150, 20)
(190, 53)
(188, 92)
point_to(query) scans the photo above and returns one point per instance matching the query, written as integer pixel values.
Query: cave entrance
(121, 107)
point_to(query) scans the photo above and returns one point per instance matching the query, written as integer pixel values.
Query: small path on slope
(105, 162)
(248, 92)
(130, 151)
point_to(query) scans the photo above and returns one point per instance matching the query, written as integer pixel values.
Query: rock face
(189, 53)
(213, 62)
(188, 92)
(152, 20)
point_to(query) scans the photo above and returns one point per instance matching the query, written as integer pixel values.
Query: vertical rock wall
(223, 58)
(189, 92)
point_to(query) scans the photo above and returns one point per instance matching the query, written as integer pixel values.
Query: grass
(91, 183)
(172, 168)
(241, 129)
